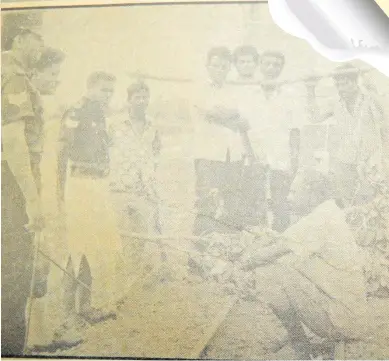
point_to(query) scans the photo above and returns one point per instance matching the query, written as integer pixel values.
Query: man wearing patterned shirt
(359, 139)
(135, 152)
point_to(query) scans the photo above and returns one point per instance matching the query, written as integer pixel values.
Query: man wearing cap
(357, 144)
(21, 117)
(28, 71)
(20, 199)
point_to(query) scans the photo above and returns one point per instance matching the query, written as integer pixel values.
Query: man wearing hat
(21, 50)
(357, 143)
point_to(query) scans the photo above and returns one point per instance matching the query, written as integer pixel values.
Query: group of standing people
(248, 137)
(253, 142)
(101, 167)
(312, 275)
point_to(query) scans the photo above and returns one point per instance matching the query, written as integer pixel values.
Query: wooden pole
(145, 76)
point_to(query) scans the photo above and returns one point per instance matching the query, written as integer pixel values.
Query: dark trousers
(280, 183)
(76, 297)
(240, 188)
(16, 268)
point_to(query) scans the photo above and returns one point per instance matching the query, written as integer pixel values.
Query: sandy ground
(174, 317)
(165, 313)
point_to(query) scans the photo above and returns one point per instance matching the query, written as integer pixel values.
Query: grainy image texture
(189, 181)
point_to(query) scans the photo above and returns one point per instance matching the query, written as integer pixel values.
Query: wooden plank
(211, 331)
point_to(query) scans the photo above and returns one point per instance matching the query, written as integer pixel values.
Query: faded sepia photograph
(189, 181)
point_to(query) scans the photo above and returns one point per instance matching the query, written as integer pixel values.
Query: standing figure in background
(94, 244)
(357, 145)
(219, 150)
(246, 60)
(135, 152)
(253, 202)
(276, 134)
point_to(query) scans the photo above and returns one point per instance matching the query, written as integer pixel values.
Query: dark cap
(16, 24)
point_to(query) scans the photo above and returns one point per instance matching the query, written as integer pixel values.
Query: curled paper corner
(363, 36)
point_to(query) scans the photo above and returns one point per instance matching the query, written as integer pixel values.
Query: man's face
(139, 100)
(47, 80)
(103, 91)
(32, 47)
(246, 66)
(271, 67)
(346, 86)
(218, 69)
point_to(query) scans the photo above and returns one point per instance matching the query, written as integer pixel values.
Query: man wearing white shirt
(219, 149)
(276, 135)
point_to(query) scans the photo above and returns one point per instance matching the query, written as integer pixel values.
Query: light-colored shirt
(213, 141)
(359, 132)
(271, 120)
(133, 157)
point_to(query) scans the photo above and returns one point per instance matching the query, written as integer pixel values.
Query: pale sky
(164, 41)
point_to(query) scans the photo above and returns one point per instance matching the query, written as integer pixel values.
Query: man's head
(271, 64)
(138, 97)
(218, 64)
(246, 61)
(28, 45)
(346, 79)
(47, 71)
(100, 87)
